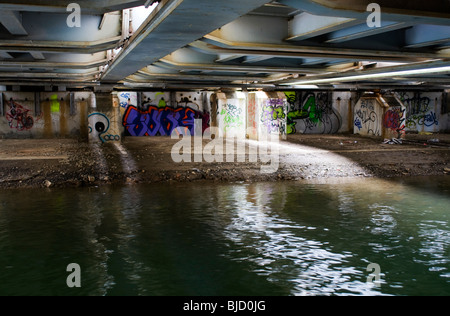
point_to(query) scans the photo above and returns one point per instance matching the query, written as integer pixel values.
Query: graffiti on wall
(232, 117)
(273, 116)
(311, 113)
(127, 98)
(18, 117)
(161, 121)
(419, 111)
(102, 128)
(366, 118)
(395, 120)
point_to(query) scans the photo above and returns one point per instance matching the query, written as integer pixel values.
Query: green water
(229, 239)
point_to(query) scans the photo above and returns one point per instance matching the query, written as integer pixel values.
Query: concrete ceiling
(216, 43)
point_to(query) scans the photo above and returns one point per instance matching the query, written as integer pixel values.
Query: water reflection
(280, 252)
(237, 239)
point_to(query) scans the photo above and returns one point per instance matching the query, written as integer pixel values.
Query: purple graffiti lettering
(161, 121)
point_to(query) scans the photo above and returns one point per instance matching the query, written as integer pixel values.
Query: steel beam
(171, 26)
(237, 68)
(356, 75)
(421, 12)
(223, 58)
(426, 35)
(60, 6)
(12, 21)
(5, 55)
(294, 51)
(148, 75)
(49, 75)
(362, 30)
(59, 46)
(305, 25)
(37, 55)
(323, 51)
(52, 65)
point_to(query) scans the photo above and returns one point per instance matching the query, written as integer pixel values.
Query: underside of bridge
(152, 51)
(214, 44)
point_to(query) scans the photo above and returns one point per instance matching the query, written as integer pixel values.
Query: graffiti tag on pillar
(395, 119)
(232, 116)
(273, 116)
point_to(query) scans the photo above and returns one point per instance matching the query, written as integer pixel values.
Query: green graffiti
(308, 111)
(310, 107)
(162, 103)
(55, 106)
(278, 112)
(312, 113)
(232, 117)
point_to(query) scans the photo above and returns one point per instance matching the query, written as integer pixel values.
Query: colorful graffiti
(159, 101)
(232, 117)
(395, 120)
(161, 121)
(311, 114)
(366, 118)
(127, 98)
(18, 117)
(273, 116)
(100, 127)
(418, 110)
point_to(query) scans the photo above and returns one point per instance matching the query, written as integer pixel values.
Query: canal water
(261, 239)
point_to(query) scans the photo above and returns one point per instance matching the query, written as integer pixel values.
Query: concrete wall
(231, 114)
(105, 117)
(273, 114)
(266, 114)
(423, 111)
(160, 113)
(44, 115)
(318, 112)
(368, 116)
(414, 112)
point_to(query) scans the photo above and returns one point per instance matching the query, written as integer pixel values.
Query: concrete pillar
(232, 114)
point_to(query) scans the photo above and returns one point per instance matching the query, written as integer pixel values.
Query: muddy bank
(62, 163)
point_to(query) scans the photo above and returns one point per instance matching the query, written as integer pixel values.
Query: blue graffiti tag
(358, 123)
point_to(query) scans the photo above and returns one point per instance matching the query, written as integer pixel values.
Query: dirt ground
(65, 162)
